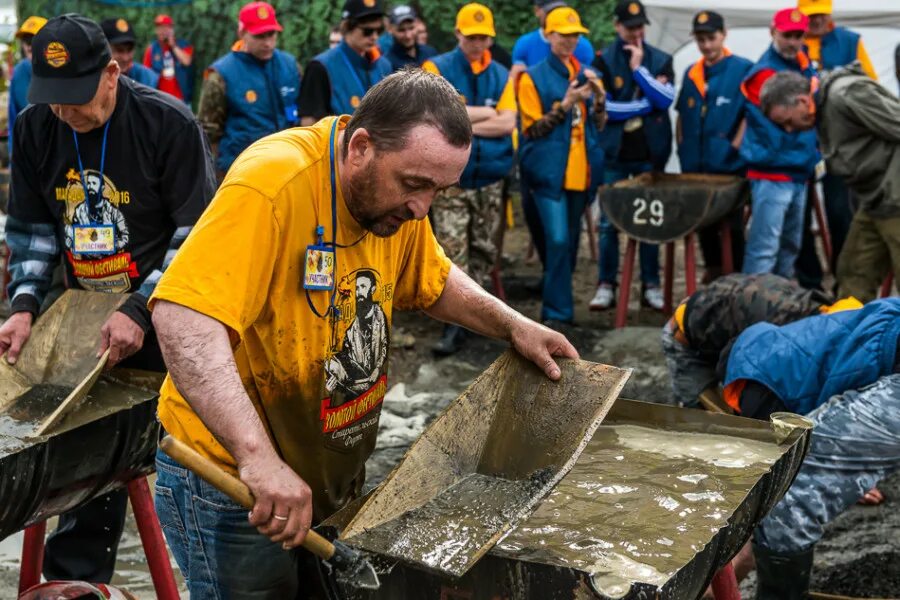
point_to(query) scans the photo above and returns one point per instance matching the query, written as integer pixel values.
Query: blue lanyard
(87, 196)
(353, 72)
(332, 310)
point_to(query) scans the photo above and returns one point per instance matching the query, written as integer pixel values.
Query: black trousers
(86, 541)
(838, 211)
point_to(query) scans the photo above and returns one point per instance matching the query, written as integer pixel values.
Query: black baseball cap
(631, 13)
(68, 56)
(360, 9)
(401, 14)
(708, 21)
(118, 31)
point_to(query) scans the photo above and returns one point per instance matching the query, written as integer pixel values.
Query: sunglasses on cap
(370, 31)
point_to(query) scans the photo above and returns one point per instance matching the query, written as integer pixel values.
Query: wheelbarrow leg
(886, 286)
(152, 539)
(591, 227)
(625, 289)
(497, 282)
(668, 277)
(822, 222)
(690, 264)
(725, 240)
(32, 556)
(724, 584)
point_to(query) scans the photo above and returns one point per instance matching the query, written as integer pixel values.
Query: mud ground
(860, 555)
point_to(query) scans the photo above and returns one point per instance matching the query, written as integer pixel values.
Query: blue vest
(838, 48)
(491, 158)
(768, 148)
(543, 160)
(807, 362)
(261, 99)
(143, 75)
(350, 76)
(18, 95)
(710, 121)
(657, 125)
(183, 75)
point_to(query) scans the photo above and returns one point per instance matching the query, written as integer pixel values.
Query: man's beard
(363, 306)
(787, 53)
(361, 203)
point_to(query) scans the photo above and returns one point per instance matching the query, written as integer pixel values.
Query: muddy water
(446, 533)
(640, 503)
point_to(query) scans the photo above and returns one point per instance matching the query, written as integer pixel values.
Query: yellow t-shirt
(531, 110)
(317, 385)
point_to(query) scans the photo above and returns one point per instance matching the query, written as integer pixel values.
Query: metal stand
(151, 539)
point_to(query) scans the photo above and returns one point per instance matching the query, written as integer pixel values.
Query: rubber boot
(782, 576)
(451, 341)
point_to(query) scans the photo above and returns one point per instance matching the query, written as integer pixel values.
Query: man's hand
(122, 336)
(576, 93)
(13, 335)
(539, 344)
(637, 55)
(283, 509)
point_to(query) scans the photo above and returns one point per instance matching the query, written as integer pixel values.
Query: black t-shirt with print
(158, 176)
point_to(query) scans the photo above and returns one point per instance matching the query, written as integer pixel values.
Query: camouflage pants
(855, 443)
(688, 373)
(465, 223)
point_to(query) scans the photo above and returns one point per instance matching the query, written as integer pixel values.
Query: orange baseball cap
(163, 20)
(790, 19)
(564, 20)
(31, 26)
(815, 7)
(475, 19)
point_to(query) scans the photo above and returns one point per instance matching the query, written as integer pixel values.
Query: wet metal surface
(640, 503)
(447, 531)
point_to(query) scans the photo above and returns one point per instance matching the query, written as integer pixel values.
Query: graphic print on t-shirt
(97, 272)
(356, 363)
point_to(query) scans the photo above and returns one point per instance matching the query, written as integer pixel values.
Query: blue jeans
(609, 235)
(219, 553)
(855, 444)
(776, 227)
(561, 223)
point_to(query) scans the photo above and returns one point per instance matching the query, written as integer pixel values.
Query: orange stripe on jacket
(697, 74)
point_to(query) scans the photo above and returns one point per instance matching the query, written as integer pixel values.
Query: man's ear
(359, 147)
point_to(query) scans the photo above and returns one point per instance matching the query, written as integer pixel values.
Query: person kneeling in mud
(842, 371)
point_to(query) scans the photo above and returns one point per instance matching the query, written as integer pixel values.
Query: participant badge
(318, 273)
(94, 239)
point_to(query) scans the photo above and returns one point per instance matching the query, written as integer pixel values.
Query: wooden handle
(232, 487)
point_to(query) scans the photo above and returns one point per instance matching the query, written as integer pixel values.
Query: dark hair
(782, 89)
(405, 99)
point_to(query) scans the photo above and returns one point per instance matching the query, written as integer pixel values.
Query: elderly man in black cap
(336, 80)
(404, 49)
(121, 40)
(109, 177)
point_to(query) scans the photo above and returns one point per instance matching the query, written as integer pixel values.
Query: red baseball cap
(163, 20)
(257, 18)
(790, 19)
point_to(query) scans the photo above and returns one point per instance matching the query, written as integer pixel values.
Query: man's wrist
(25, 303)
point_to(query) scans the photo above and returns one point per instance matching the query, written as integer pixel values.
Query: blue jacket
(621, 87)
(491, 158)
(18, 95)
(838, 48)
(532, 47)
(543, 160)
(142, 74)
(710, 118)
(261, 99)
(807, 362)
(350, 76)
(766, 147)
(183, 75)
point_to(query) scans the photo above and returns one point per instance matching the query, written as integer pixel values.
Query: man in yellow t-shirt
(274, 319)
(467, 217)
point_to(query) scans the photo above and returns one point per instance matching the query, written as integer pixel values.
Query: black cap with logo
(68, 56)
(708, 21)
(631, 13)
(360, 9)
(548, 5)
(118, 31)
(401, 14)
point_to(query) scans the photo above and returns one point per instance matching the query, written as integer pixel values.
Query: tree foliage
(211, 25)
